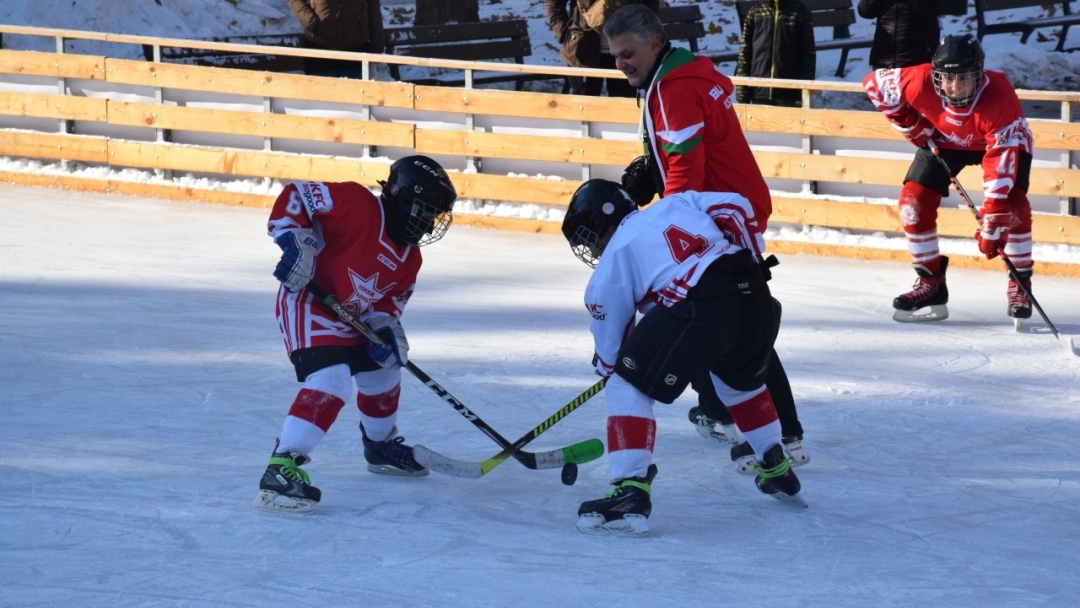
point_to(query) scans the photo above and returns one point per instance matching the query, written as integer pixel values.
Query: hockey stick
(568, 457)
(1001, 249)
(528, 459)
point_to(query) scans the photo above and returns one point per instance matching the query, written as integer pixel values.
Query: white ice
(142, 383)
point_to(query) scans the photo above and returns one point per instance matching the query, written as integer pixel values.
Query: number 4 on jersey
(682, 244)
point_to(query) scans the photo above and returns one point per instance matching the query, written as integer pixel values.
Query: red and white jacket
(356, 261)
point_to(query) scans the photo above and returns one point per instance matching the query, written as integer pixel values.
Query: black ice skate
(623, 512)
(776, 478)
(714, 425)
(929, 291)
(743, 455)
(1019, 303)
(286, 480)
(391, 456)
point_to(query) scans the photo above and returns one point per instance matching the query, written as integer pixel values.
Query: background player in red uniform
(365, 251)
(974, 117)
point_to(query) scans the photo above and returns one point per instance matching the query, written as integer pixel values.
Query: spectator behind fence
(907, 31)
(777, 42)
(578, 30)
(339, 25)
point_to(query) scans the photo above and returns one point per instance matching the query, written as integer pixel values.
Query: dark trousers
(617, 87)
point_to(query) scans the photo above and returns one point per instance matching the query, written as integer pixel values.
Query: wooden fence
(129, 114)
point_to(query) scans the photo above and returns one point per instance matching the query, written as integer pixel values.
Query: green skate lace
(629, 482)
(290, 470)
(778, 471)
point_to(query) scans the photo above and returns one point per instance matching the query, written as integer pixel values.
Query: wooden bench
(245, 61)
(683, 23)
(1026, 26)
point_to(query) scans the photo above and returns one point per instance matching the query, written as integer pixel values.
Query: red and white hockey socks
(754, 414)
(378, 393)
(315, 409)
(631, 429)
(918, 207)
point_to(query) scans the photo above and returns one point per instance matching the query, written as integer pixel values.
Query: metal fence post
(1067, 205)
(471, 162)
(808, 186)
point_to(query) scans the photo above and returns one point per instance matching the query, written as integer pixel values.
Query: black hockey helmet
(955, 57)
(419, 201)
(595, 211)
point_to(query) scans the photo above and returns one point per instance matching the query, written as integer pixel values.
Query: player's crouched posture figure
(365, 251)
(974, 117)
(706, 306)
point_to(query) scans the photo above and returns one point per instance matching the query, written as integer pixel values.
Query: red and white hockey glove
(920, 133)
(991, 237)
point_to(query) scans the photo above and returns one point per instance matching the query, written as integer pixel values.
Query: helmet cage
(585, 243)
(427, 222)
(943, 77)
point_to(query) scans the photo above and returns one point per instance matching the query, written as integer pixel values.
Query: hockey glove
(991, 237)
(638, 182)
(297, 264)
(766, 264)
(394, 351)
(602, 369)
(920, 133)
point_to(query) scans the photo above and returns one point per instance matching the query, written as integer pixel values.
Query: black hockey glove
(638, 182)
(766, 264)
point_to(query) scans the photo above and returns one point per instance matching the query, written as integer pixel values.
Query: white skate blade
(267, 501)
(630, 525)
(728, 433)
(388, 469)
(794, 500)
(937, 312)
(745, 465)
(1017, 323)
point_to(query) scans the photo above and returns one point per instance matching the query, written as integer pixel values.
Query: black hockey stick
(528, 459)
(1001, 249)
(568, 457)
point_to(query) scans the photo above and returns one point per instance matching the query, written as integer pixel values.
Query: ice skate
(743, 457)
(1019, 303)
(391, 456)
(712, 427)
(623, 512)
(775, 477)
(929, 292)
(285, 480)
(795, 451)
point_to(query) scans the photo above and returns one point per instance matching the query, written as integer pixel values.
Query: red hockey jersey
(356, 261)
(992, 123)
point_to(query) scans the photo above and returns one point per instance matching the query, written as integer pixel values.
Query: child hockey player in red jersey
(974, 117)
(365, 251)
(687, 263)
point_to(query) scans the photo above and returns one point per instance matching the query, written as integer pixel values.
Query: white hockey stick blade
(446, 466)
(937, 312)
(267, 501)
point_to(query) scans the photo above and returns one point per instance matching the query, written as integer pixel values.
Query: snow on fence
(98, 118)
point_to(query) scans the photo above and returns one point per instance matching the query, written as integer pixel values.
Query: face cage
(585, 246)
(427, 223)
(957, 102)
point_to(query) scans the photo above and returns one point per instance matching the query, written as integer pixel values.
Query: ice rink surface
(142, 383)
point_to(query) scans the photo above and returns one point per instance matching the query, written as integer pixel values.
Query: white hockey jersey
(656, 255)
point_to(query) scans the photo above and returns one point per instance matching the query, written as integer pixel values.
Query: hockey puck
(569, 474)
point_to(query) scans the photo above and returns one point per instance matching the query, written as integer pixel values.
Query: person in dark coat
(777, 42)
(584, 47)
(339, 25)
(907, 32)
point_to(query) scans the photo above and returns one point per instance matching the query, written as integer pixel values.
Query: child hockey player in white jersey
(686, 262)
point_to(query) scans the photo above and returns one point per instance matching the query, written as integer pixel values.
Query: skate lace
(775, 471)
(394, 450)
(290, 469)
(1016, 295)
(922, 288)
(624, 484)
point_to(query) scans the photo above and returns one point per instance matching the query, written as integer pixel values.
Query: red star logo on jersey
(365, 291)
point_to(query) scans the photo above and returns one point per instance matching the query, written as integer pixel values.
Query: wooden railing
(137, 133)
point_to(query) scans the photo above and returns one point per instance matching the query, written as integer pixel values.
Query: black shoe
(1019, 303)
(776, 478)
(285, 479)
(391, 456)
(623, 511)
(930, 291)
(743, 457)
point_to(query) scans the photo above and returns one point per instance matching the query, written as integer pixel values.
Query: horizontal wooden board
(259, 124)
(52, 106)
(53, 146)
(32, 63)
(260, 84)
(518, 189)
(529, 147)
(545, 106)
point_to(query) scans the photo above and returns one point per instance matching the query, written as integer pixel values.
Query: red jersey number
(682, 244)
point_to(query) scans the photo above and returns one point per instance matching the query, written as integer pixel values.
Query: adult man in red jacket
(693, 141)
